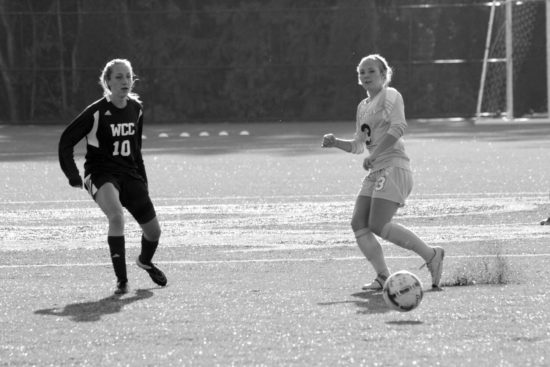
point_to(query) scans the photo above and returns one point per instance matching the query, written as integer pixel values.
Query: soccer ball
(403, 291)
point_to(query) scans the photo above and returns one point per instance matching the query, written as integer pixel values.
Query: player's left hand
(368, 163)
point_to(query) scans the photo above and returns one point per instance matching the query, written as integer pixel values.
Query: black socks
(118, 256)
(148, 249)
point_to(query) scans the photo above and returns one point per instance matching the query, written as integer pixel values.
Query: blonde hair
(106, 75)
(385, 68)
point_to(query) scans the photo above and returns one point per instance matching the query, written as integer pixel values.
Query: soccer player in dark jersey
(114, 173)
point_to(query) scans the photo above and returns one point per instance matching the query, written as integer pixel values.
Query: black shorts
(132, 191)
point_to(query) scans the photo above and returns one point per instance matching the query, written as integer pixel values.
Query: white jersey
(385, 113)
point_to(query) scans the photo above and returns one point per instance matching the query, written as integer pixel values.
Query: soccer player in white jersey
(380, 125)
(114, 173)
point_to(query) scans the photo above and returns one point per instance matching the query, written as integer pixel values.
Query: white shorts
(392, 183)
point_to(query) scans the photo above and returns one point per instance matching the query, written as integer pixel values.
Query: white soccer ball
(403, 291)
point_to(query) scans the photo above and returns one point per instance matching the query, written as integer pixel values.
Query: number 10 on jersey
(122, 148)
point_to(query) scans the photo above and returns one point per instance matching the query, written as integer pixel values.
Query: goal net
(496, 97)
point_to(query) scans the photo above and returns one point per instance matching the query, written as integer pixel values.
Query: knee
(362, 232)
(152, 234)
(151, 230)
(116, 220)
(358, 224)
(379, 229)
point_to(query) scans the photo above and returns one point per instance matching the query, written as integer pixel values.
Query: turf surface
(261, 262)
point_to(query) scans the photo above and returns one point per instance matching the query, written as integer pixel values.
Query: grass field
(261, 263)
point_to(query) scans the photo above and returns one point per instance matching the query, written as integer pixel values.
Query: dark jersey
(113, 137)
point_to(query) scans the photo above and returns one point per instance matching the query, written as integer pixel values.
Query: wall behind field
(246, 60)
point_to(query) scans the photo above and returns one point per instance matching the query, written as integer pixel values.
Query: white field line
(276, 260)
(294, 197)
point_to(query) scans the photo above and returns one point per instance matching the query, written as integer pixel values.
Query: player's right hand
(76, 182)
(329, 141)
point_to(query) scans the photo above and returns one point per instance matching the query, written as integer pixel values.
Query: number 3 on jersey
(366, 129)
(122, 148)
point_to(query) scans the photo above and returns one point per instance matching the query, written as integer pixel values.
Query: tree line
(248, 60)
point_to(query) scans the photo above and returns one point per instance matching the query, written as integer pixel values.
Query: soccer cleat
(377, 284)
(121, 287)
(545, 222)
(155, 273)
(435, 266)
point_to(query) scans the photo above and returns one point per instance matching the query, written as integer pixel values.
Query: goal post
(509, 60)
(508, 40)
(486, 58)
(547, 6)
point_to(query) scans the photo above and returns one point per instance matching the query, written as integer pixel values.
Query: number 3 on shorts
(379, 185)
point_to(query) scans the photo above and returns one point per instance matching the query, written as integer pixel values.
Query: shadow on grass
(405, 322)
(369, 303)
(93, 311)
(372, 302)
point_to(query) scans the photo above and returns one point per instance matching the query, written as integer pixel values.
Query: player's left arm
(138, 154)
(387, 141)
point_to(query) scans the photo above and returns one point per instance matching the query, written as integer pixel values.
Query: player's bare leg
(107, 198)
(382, 212)
(368, 243)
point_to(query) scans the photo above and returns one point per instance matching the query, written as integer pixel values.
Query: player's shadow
(93, 311)
(368, 302)
(405, 322)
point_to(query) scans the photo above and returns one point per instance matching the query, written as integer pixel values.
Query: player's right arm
(331, 141)
(355, 145)
(72, 134)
